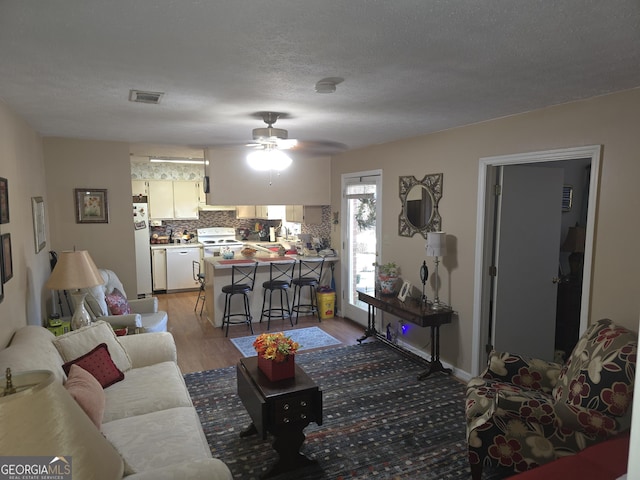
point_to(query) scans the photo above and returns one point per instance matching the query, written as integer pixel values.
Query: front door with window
(360, 239)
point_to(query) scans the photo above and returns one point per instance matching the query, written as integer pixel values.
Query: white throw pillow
(78, 342)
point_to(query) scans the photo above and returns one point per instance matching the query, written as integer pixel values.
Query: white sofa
(149, 417)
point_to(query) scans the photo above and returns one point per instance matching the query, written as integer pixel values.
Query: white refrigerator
(143, 251)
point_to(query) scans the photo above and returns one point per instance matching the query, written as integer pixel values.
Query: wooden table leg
(287, 443)
(435, 365)
(371, 324)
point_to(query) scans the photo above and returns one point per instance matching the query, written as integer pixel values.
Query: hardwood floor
(201, 346)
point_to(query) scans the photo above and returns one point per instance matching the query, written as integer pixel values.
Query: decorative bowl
(228, 255)
(248, 252)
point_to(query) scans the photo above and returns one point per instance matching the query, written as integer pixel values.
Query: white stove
(213, 238)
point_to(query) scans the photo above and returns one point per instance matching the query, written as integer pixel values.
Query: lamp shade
(74, 270)
(42, 419)
(436, 244)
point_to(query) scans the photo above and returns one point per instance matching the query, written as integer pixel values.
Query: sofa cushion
(170, 437)
(117, 303)
(147, 389)
(78, 342)
(88, 392)
(99, 364)
(599, 374)
(32, 348)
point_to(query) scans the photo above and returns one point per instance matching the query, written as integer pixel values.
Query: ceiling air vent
(145, 97)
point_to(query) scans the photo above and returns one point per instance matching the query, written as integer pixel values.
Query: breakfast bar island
(218, 274)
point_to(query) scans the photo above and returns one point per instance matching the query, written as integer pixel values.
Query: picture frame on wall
(4, 200)
(39, 234)
(91, 205)
(7, 259)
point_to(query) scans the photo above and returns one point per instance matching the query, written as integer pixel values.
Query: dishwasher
(180, 268)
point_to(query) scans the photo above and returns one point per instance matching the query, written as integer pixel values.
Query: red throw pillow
(117, 303)
(99, 364)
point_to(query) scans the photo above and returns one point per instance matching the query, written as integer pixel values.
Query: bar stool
(280, 276)
(199, 277)
(242, 279)
(309, 274)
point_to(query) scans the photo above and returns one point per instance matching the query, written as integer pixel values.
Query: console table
(413, 311)
(282, 408)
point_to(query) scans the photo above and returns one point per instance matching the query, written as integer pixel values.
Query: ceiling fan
(272, 138)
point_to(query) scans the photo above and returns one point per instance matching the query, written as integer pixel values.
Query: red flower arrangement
(275, 346)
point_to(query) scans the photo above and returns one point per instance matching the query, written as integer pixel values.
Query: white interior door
(527, 251)
(361, 222)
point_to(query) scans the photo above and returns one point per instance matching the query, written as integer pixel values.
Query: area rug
(379, 421)
(308, 338)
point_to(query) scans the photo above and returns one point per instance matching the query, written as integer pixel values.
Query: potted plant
(276, 355)
(388, 274)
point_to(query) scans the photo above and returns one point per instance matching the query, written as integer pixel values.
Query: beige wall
(611, 121)
(21, 163)
(233, 182)
(74, 164)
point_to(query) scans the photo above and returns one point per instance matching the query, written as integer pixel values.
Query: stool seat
(275, 284)
(243, 278)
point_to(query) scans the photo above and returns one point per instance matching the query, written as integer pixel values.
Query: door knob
(555, 280)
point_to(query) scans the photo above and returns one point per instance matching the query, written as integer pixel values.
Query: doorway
(484, 296)
(361, 233)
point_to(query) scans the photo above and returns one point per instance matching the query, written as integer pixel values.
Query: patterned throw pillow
(117, 303)
(99, 364)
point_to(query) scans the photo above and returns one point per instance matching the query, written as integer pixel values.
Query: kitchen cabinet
(309, 214)
(266, 212)
(139, 188)
(186, 197)
(159, 268)
(179, 199)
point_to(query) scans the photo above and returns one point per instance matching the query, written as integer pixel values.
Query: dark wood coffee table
(281, 408)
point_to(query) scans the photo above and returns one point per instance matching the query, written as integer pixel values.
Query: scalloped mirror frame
(433, 185)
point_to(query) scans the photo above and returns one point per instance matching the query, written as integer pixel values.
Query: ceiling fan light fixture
(268, 159)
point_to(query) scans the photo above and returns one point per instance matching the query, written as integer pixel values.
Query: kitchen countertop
(262, 258)
(156, 246)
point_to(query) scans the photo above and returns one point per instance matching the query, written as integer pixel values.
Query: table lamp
(42, 419)
(574, 243)
(436, 247)
(75, 270)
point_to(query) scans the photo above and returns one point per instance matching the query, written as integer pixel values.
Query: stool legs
(226, 317)
(308, 308)
(282, 311)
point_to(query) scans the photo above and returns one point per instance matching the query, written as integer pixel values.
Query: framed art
(91, 205)
(4, 200)
(7, 262)
(404, 291)
(37, 211)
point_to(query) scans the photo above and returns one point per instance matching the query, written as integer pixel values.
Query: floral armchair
(522, 412)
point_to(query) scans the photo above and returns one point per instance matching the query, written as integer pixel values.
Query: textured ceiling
(410, 67)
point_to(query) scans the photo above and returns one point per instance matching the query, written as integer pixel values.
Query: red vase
(277, 370)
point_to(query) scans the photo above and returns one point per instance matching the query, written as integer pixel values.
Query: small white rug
(308, 338)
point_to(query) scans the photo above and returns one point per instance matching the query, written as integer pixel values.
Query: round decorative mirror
(420, 205)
